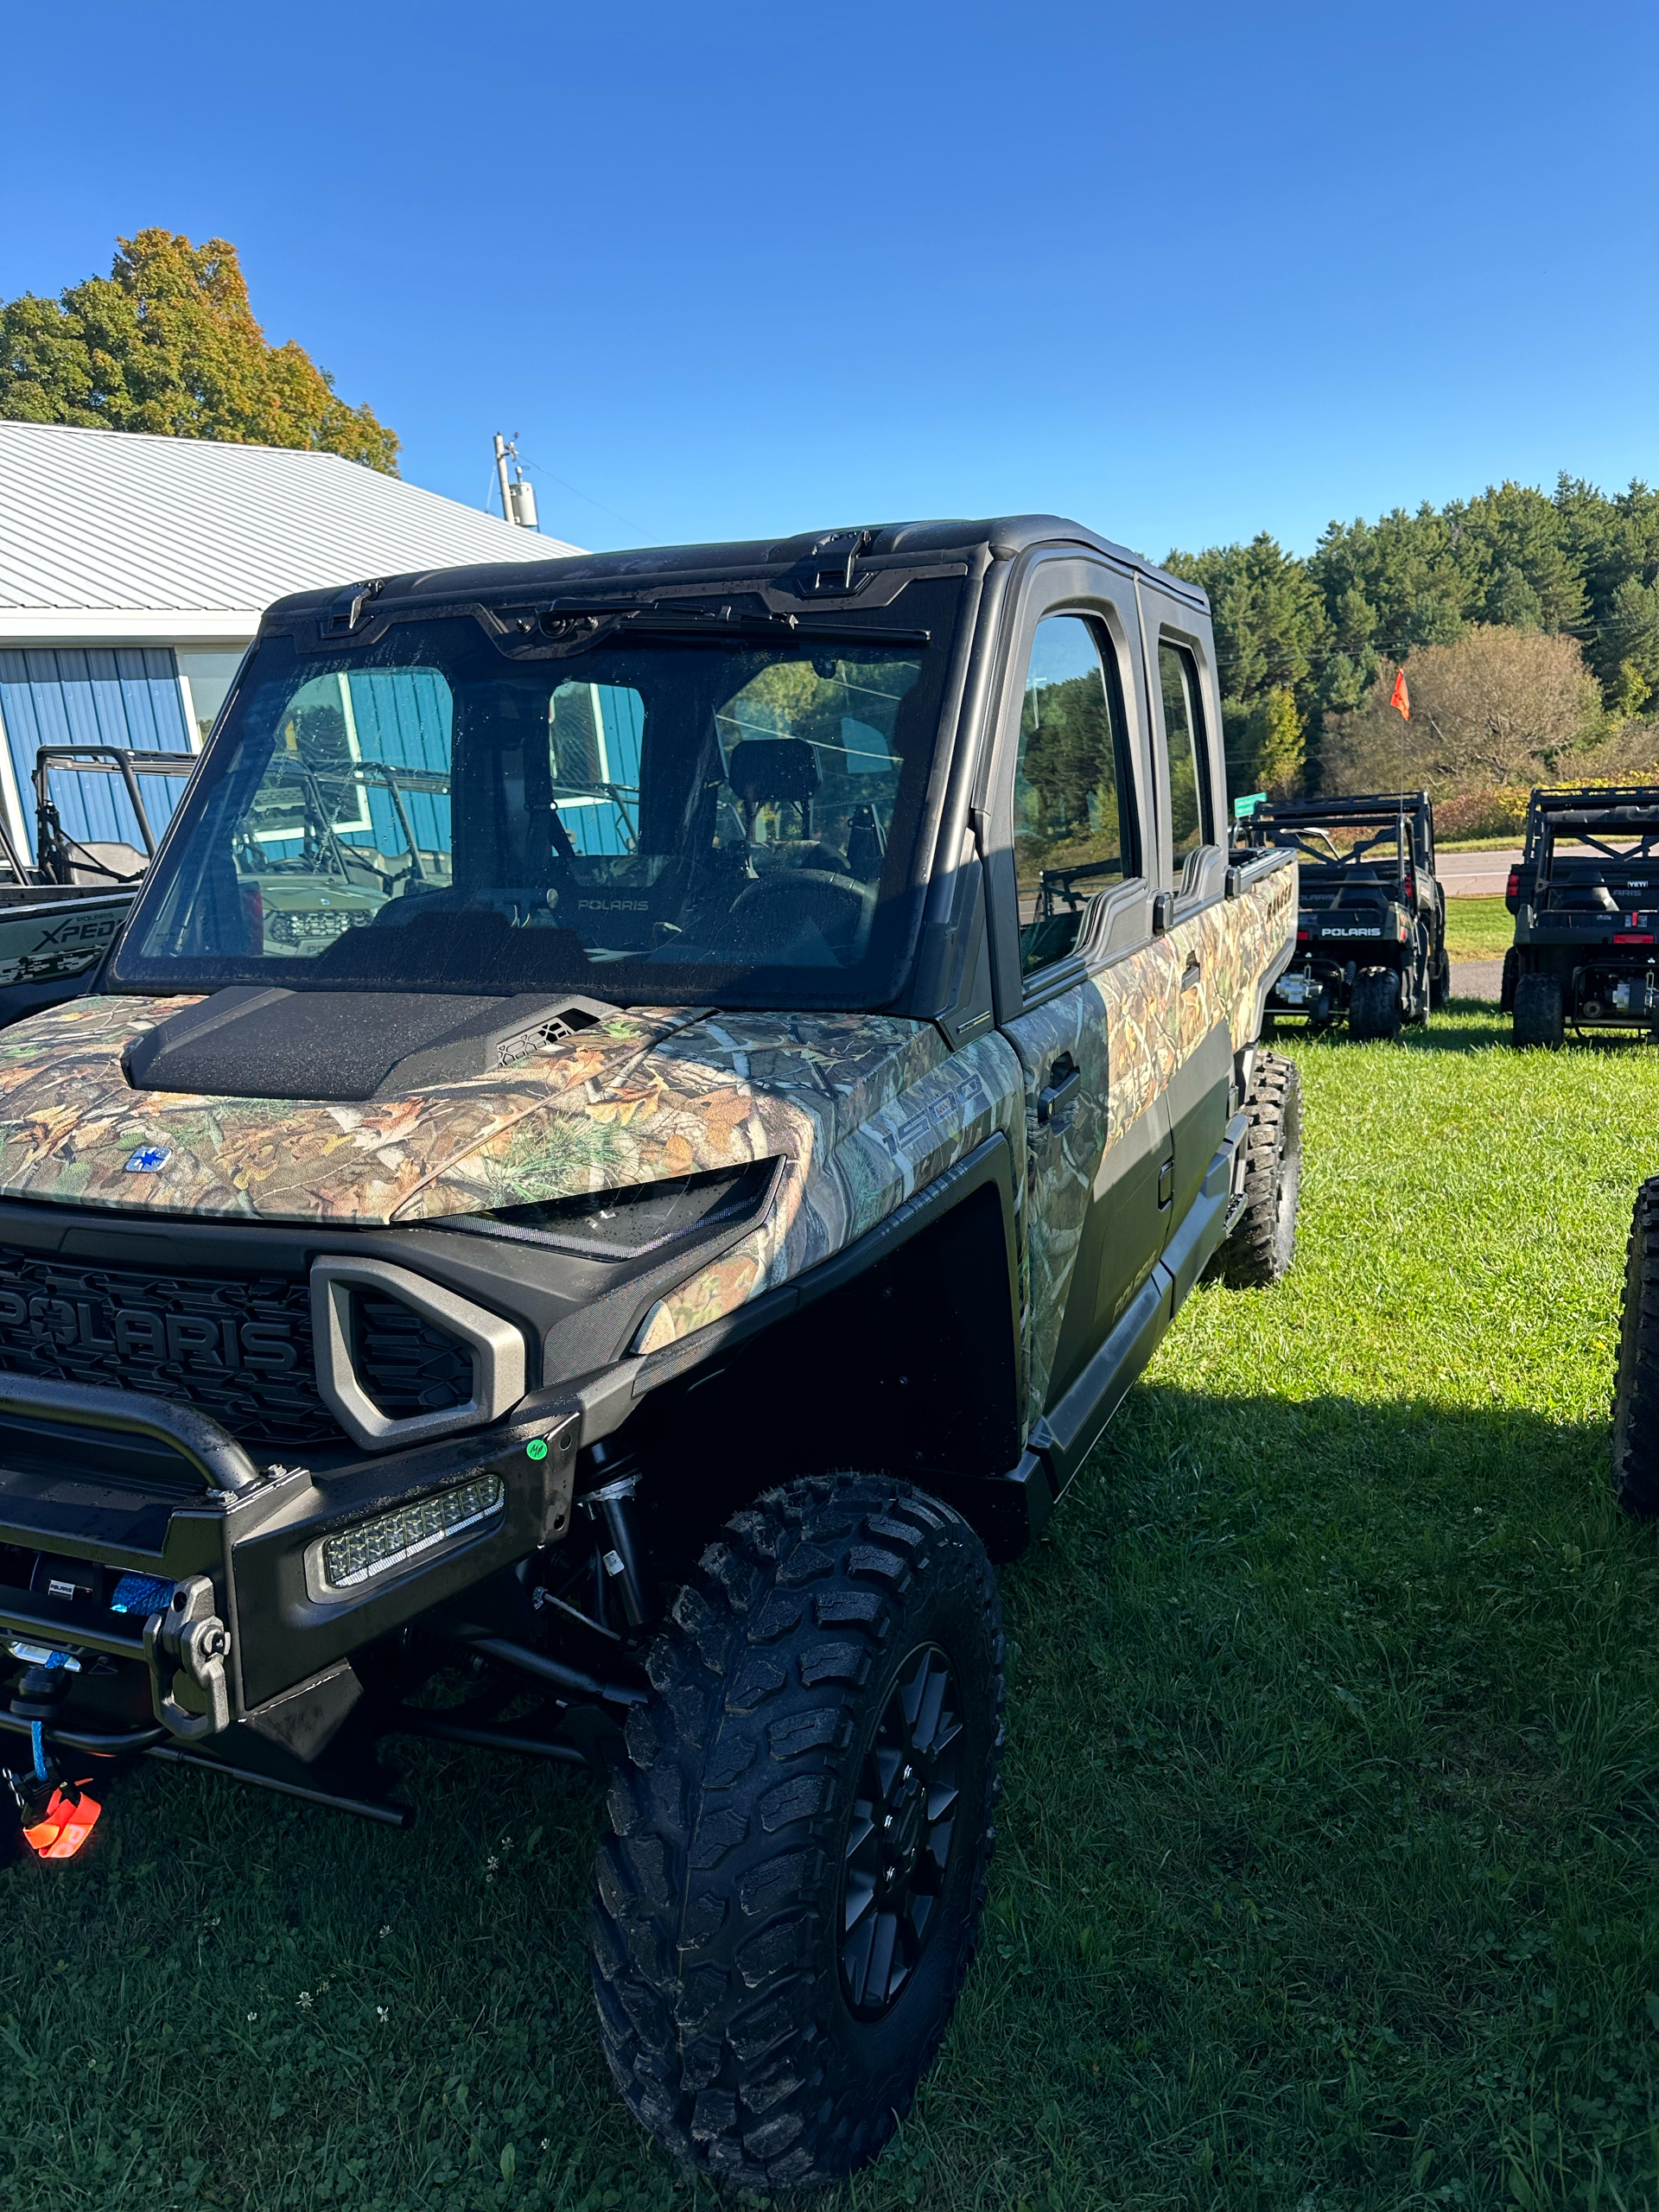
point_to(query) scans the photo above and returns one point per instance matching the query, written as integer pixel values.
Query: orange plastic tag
(67, 1826)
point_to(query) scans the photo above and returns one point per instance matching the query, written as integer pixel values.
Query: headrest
(772, 768)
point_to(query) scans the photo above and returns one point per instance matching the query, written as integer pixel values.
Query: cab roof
(777, 563)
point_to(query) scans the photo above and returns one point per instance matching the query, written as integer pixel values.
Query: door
(1071, 801)
(1192, 861)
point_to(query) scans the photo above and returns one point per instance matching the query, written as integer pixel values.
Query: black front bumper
(111, 1484)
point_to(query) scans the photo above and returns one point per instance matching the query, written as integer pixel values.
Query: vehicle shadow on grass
(1336, 1727)
(1492, 1027)
(1396, 1491)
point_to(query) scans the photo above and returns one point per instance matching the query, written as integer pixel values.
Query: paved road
(1476, 979)
(1476, 875)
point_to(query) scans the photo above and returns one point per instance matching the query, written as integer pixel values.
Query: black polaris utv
(1370, 934)
(1585, 902)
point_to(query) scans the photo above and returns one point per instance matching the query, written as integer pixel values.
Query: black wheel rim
(899, 1842)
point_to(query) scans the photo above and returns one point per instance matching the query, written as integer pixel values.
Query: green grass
(1478, 929)
(1327, 1876)
(1507, 843)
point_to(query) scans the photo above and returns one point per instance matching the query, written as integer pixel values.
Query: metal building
(133, 572)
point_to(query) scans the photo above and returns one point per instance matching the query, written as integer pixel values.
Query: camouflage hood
(648, 1094)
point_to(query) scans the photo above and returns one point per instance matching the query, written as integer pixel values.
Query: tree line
(1303, 644)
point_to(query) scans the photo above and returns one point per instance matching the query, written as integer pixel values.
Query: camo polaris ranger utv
(618, 1155)
(1370, 934)
(1585, 902)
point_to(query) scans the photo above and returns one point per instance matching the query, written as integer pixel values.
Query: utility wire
(536, 469)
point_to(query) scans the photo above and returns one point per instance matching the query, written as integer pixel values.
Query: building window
(205, 678)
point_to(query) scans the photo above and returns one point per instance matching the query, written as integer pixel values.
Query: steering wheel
(765, 918)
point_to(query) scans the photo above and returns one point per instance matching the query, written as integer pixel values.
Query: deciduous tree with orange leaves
(167, 342)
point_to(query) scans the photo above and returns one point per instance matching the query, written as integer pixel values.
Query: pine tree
(1631, 640)
(1279, 736)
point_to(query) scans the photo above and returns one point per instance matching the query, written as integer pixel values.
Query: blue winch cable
(37, 1728)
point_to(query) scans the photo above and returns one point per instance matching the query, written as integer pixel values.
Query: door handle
(1191, 972)
(1064, 1081)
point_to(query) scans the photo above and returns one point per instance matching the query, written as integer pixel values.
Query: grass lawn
(1328, 1875)
(1478, 929)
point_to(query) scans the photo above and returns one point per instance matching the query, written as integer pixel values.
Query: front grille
(406, 1363)
(239, 1349)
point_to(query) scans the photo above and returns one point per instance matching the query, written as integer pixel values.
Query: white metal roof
(108, 536)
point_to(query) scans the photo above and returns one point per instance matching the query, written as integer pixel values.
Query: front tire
(1539, 1016)
(1636, 1391)
(772, 1984)
(1259, 1252)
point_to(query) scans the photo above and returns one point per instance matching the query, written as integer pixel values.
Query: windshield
(668, 818)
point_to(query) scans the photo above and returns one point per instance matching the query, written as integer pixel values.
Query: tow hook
(190, 1695)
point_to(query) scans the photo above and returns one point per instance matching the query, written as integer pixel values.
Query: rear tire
(1259, 1252)
(1636, 1390)
(1439, 979)
(1507, 982)
(751, 2026)
(1374, 1011)
(1539, 1017)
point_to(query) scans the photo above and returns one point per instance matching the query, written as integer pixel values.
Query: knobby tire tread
(1376, 1011)
(717, 1993)
(1252, 1258)
(1635, 1389)
(1539, 1015)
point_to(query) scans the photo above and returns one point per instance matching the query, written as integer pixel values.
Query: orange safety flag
(66, 1824)
(1402, 700)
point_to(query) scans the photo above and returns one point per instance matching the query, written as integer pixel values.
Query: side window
(1187, 742)
(1074, 828)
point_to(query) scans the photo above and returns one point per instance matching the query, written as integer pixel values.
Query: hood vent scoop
(346, 1047)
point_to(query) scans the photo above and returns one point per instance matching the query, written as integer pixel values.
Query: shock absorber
(623, 1557)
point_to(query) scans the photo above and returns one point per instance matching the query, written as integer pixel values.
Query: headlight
(639, 1218)
(393, 1540)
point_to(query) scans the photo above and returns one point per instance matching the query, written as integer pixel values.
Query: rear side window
(1074, 827)
(1186, 741)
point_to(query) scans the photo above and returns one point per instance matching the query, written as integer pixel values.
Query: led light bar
(392, 1539)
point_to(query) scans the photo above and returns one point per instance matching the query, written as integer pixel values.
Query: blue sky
(738, 270)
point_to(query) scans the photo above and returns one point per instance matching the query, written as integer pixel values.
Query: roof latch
(346, 612)
(829, 567)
